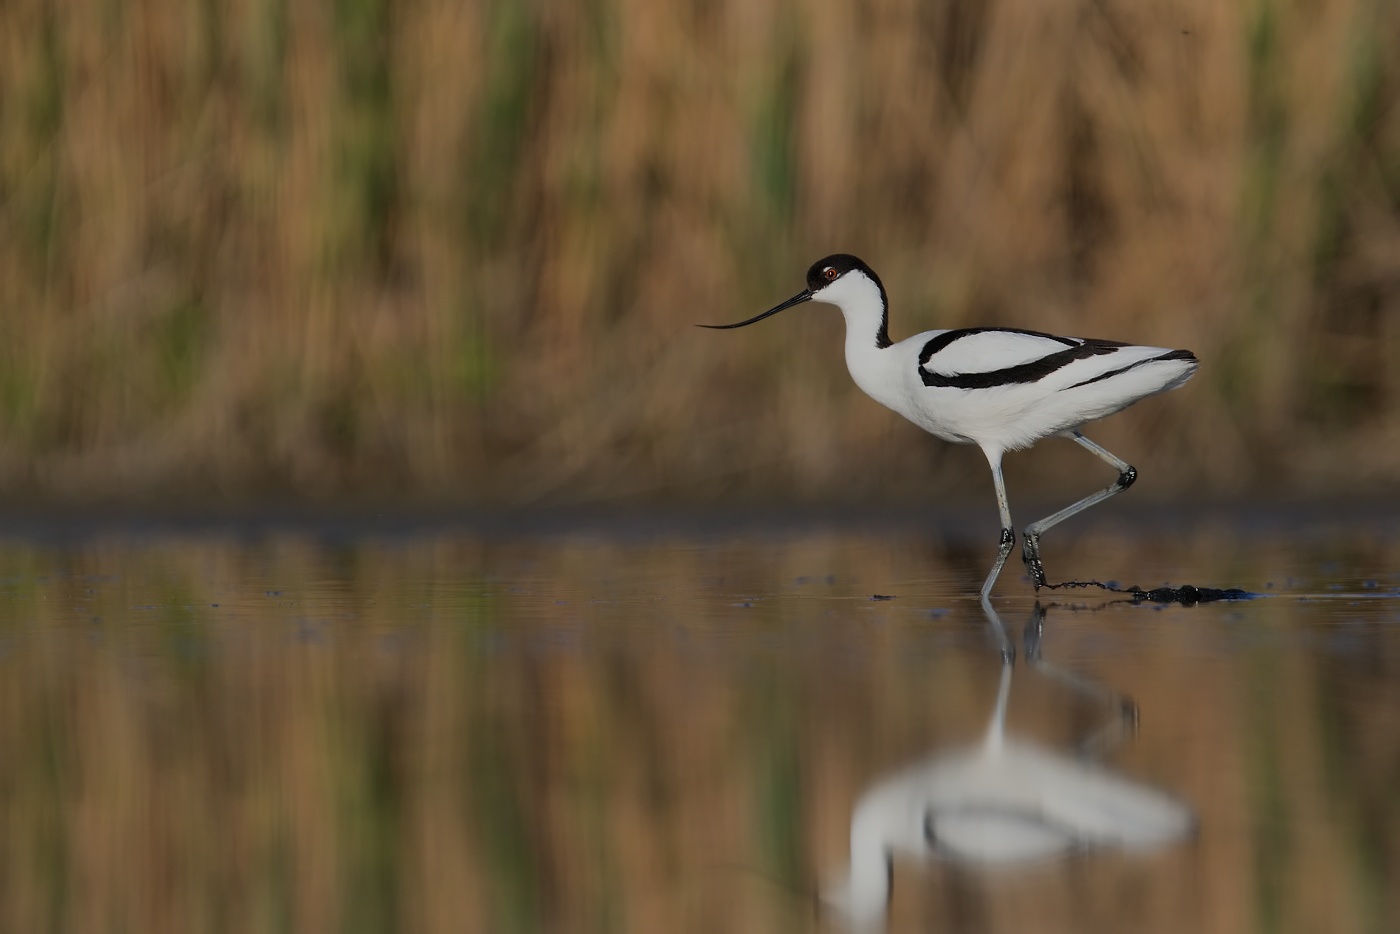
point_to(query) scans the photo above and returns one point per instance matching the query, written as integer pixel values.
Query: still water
(597, 727)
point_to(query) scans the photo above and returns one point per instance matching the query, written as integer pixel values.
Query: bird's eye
(829, 274)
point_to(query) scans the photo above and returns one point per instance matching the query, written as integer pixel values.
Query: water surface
(619, 728)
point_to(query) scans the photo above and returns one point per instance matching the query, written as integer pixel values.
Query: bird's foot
(1030, 553)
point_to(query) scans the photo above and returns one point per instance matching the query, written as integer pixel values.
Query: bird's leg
(1008, 651)
(1008, 531)
(1008, 539)
(1030, 553)
(1030, 544)
(1124, 719)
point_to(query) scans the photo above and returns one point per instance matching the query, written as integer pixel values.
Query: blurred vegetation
(277, 734)
(453, 250)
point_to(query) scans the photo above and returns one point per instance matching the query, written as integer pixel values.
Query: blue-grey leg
(1030, 543)
(1008, 531)
(1008, 651)
(1124, 719)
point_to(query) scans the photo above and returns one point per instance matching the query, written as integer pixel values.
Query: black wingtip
(1183, 355)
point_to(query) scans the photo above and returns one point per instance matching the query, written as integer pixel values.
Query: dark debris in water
(881, 596)
(1185, 595)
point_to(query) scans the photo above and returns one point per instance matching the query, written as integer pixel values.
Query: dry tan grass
(454, 250)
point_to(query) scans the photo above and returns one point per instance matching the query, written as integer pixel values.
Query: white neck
(864, 894)
(863, 304)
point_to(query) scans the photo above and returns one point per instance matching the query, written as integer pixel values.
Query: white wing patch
(984, 350)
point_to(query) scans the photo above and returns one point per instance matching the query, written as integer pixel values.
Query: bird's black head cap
(830, 269)
(827, 270)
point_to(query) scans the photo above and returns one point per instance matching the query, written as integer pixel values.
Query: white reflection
(1002, 802)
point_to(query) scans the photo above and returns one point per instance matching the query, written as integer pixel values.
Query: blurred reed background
(204, 734)
(453, 250)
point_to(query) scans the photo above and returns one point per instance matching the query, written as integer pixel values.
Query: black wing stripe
(1170, 355)
(1030, 372)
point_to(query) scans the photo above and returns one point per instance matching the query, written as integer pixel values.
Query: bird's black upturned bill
(804, 296)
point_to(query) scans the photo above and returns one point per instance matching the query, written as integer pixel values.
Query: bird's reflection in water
(1004, 801)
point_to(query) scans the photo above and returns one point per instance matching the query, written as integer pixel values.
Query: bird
(1002, 389)
(1006, 801)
